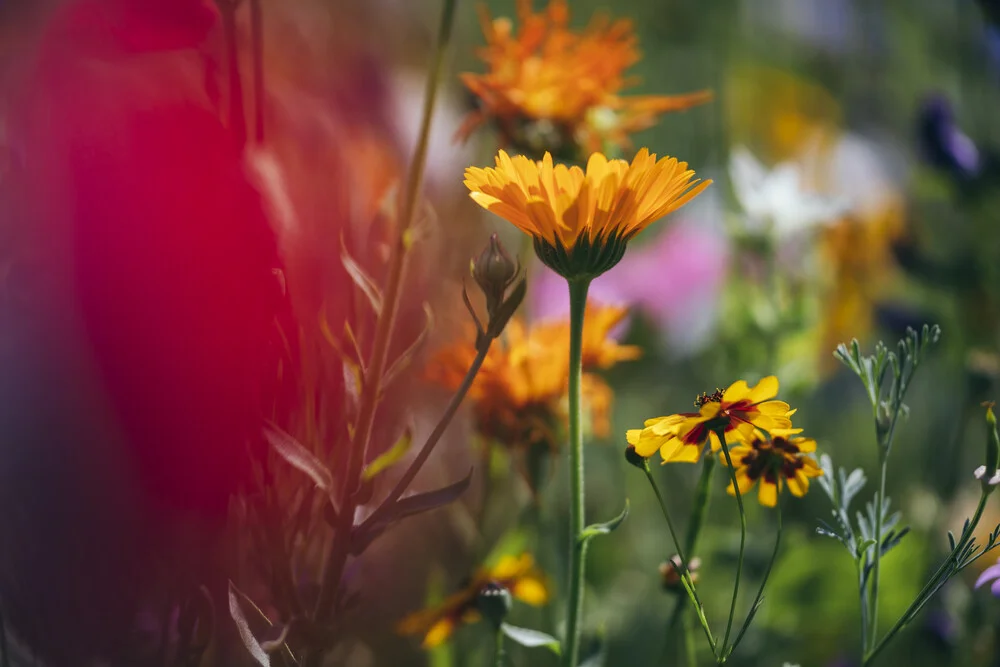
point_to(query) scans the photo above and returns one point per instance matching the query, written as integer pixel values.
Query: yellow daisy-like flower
(582, 220)
(518, 396)
(773, 462)
(518, 574)
(739, 410)
(549, 87)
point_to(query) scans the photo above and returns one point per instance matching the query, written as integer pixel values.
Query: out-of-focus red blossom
(154, 297)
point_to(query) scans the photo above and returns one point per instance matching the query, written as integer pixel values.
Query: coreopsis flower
(518, 395)
(581, 221)
(739, 411)
(773, 461)
(517, 574)
(547, 87)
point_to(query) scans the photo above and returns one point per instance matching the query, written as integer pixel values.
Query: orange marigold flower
(773, 461)
(739, 410)
(549, 87)
(581, 221)
(518, 574)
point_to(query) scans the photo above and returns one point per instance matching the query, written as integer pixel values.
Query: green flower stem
(577, 546)
(498, 651)
(932, 585)
(721, 434)
(336, 557)
(884, 446)
(703, 492)
(685, 571)
(760, 591)
(690, 654)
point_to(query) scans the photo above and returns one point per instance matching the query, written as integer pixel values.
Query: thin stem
(932, 584)
(763, 583)
(721, 434)
(257, 48)
(697, 522)
(577, 547)
(336, 557)
(498, 651)
(879, 502)
(685, 572)
(432, 440)
(690, 651)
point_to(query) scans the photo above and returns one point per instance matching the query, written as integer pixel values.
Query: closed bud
(634, 458)
(494, 271)
(988, 473)
(494, 603)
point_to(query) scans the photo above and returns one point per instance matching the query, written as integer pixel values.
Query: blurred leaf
(390, 457)
(596, 529)
(531, 638)
(404, 359)
(298, 456)
(249, 641)
(364, 282)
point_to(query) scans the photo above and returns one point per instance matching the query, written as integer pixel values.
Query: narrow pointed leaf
(596, 529)
(249, 641)
(298, 456)
(404, 359)
(531, 638)
(364, 282)
(390, 457)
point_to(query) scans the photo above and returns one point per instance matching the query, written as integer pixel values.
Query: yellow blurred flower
(547, 86)
(773, 462)
(581, 221)
(518, 574)
(740, 410)
(519, 394)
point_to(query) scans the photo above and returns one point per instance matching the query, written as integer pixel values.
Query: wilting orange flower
(517, 574)
(582, 220)
(547, 86)
(519, 393)
(773, 461)
(739, 410)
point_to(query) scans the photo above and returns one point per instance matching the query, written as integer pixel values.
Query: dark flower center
(714, 397)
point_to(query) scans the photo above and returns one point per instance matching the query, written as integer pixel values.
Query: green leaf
(531, 638)
(249, 641)
(596, 529)
(390, 457)
(298, 456)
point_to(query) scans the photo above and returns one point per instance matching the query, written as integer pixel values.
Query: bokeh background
(885, 109)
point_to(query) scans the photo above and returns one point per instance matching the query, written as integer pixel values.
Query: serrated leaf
(298, 456)
(249, 641)
(531, 638)
(361, 278)
(390, 457)
(596, 529)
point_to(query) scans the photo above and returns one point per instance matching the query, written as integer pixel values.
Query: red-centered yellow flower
(518, 396)
(773, 462)
(739, 410)
(547, 86)
(582, 220)
(518, 574)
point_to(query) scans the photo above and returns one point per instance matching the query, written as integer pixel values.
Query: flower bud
(494, 271)
(494, 603)
(988, 473)
(634, 458)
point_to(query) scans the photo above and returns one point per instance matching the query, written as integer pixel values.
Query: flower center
(714, 397)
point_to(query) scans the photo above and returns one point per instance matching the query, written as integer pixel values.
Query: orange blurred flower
(519, 394)
(548, 87)
(518, 574)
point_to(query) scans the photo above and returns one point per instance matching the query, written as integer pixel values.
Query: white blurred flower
(777, 198)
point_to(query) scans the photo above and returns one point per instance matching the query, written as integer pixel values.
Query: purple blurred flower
(674, 279)
(992, 573)
(943, 143)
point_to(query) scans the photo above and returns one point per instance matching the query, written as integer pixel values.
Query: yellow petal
(765, 389)
(530, 590)
(737, 391)
(768, 493)
(439, 633)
